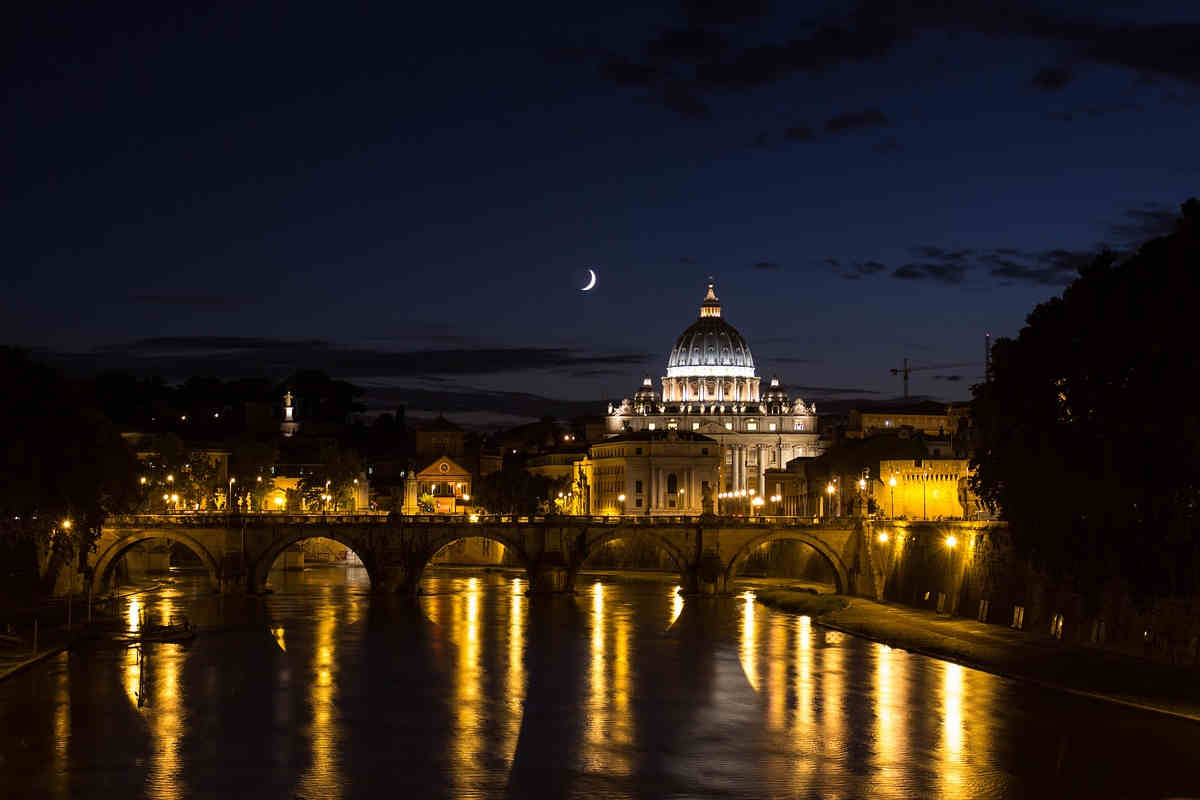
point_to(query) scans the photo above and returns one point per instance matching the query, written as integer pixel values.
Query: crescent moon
(591, 281)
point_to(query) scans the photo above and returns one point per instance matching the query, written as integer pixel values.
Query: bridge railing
(203, 519)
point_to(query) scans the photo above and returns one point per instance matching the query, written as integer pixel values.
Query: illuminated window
(651, 426)
(771, 426)
(695, 426)
(728, 426)
(751, 425)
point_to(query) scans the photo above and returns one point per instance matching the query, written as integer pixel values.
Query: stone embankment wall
(979, 576)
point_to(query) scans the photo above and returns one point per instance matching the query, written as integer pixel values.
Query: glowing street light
(621, 498)
(892, 483)
(66, 524)
(883, 537)
(951, 541)
(142, 480)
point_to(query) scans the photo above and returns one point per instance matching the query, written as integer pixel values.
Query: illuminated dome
(710, 347)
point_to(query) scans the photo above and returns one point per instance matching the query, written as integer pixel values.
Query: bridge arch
(118, 547)
(831, 557)
(594, 545)
(260, 568)
(477, 532)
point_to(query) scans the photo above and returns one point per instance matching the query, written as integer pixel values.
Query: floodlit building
(712, 389)
(650, 472)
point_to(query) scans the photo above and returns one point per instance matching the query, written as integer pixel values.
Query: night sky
(410, 197)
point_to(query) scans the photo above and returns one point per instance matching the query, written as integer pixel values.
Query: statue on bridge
(706, 500)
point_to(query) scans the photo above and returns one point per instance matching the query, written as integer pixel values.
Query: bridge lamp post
(829, 491)
(229, 495)
(892, 484)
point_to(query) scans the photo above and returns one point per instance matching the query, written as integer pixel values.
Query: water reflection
(737, 700)
(676, 603)
(165, 717)
(609, 728)
(951, 771)
(323, 777)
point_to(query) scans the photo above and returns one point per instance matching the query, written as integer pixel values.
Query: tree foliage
(62, 460)
(511, 490)
(1088, 440)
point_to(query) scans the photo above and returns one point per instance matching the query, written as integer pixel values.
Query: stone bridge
(238, 550)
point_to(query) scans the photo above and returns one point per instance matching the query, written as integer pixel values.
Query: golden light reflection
(951, 771)
(676, 604)
(516, 668)
(608, 735)
(891, 744)
(134, 615)
(131, 673)
(777, 674)
(469, 740)
(323, 776)
(62, 731)
(749, 649)
(277, 633)
(804, 679)
(165, 718)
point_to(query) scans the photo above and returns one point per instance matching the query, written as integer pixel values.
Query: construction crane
(908, 368)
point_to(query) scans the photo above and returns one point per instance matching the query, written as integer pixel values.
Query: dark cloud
(886, 145)
(855, 120)
(795, 360)
(1051, 79)
(684, 101)
(855, 270)
(1140, 224)
(1008, 266)
(630, 75)
(832, 390)
(724, 12)
(945, 274)
(687, 260)
(233, 357)
(1092, 112)
(710, 57)
(767, 265)
(799, 133)
(932, 252)
(1047, 268)
(694, 44)
(192, 300)
(761, 140)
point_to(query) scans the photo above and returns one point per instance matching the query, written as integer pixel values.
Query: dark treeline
(1088, 435)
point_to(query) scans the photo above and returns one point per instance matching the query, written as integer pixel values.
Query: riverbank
(59, 625)
(1102, 674)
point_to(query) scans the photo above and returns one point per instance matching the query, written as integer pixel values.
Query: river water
(322, 690)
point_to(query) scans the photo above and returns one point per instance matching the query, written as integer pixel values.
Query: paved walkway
(1168, 688)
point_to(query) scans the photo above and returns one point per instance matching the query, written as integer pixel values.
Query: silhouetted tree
(62, 460)
(511, 490)
(1088, 440)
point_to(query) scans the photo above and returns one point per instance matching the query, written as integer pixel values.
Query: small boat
(181, 631)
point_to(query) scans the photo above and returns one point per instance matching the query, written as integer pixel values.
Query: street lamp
(951, 541)
(229, 495)
(892, 484)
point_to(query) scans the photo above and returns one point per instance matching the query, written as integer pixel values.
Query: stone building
(650, 472)
(712, 389)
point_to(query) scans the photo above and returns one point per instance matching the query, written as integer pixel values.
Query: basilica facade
(712, 388)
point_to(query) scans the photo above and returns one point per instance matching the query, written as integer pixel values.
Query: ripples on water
(324, 691)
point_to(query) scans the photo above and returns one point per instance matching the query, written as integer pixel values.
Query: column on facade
(762, 470)
(737, 467)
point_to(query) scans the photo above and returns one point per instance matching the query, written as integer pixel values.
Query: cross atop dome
(711, 307)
